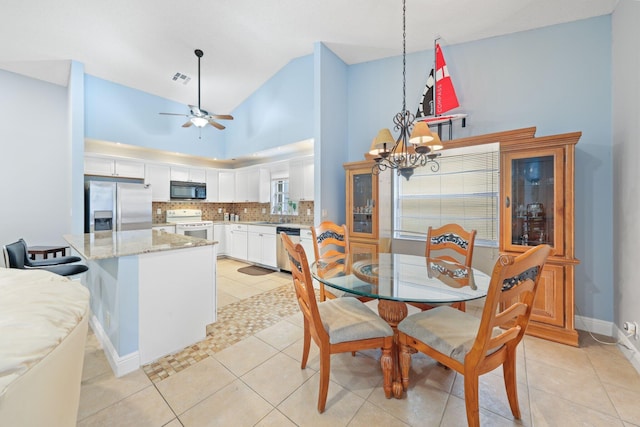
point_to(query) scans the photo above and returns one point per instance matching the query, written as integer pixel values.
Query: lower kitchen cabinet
(238, 242)
(262, 245)
(220, 235)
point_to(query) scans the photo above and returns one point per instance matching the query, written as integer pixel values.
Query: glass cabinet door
(534, 205)
(362, 221)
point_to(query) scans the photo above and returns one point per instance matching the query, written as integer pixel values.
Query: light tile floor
(249, 375)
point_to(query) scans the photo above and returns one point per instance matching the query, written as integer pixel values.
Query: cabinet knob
(507, 202)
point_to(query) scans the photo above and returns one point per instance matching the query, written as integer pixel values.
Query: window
(464, 191)
(280, 203)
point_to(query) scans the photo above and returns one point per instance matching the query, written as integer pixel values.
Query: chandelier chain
(404, 55)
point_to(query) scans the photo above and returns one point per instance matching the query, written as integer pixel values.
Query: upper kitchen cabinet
(252, 185)
(212, 176)
(537, 207)
(188, 174)
(104, 166)
(226, 186)
(158, 176)
(301, 181)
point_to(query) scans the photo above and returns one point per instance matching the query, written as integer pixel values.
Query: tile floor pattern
(247, 373)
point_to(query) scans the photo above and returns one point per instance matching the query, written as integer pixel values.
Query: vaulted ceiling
(144, 43)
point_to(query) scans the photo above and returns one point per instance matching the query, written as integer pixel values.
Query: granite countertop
(108, 244)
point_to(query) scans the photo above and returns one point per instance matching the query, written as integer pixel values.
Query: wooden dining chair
(449, 240)
(453, 243)
(331, 244)
(474, 346)
(337, 326)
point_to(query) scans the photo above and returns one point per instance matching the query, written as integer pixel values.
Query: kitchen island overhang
(152, 293)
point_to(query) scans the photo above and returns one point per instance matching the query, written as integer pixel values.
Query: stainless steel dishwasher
(282, 256)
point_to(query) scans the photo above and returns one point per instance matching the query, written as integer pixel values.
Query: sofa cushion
(38, 309)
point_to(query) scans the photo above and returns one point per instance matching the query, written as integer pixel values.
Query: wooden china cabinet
(537, 207)
(362, 206)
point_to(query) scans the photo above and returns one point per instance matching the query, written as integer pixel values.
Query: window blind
(464, 191)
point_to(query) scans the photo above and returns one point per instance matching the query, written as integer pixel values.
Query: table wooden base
(46, 250)
(393, 312)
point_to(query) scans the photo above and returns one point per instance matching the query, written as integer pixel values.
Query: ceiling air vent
(182, 78)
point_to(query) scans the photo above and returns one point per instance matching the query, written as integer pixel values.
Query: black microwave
(188, 190)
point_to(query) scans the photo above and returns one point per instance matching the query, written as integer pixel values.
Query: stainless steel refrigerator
(116, 206)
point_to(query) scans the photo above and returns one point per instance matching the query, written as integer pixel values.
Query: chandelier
(416, 144)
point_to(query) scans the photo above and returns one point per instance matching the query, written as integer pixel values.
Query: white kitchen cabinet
(301, 179)
(157, 176)
(242, 186)
(105, 166)
(187, 174)
(307, 172)
(264, 185)
(212, 185)
(226, 186)
(253, 185)
(239, 244)
(219, 234)
(262, 245)
(166, 228)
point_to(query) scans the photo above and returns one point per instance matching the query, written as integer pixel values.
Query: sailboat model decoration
(439, 96)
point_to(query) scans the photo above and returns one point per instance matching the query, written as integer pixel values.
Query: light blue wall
(75, 95)
(331, 138)
(280, 112)
(557, 79)
(120, 114)
(35, 161)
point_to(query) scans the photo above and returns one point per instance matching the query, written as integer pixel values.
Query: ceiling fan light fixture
(199, 121)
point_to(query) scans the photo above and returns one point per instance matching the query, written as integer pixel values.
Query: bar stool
(16, 256)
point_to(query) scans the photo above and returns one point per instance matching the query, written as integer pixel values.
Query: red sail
(446, 98)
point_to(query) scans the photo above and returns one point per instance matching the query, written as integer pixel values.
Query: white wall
(626, 156)
(35, 161)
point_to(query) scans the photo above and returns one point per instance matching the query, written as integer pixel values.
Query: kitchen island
(152, 293)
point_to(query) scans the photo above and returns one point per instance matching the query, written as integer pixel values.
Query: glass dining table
(396, 280)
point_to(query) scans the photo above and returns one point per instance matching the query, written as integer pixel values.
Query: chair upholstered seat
(450, 331)
(347, 319)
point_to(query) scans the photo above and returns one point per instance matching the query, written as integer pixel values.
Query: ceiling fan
(199, 117)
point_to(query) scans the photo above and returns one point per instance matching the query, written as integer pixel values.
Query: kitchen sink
(268, 223)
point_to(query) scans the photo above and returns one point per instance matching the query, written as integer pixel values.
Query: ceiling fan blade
(175, 114)
(215, 124)
(222, 116)
(187, 124)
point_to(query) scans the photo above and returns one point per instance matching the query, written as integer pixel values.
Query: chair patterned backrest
(329, 240)
(451, 237)
(509, 302)
(303, 284)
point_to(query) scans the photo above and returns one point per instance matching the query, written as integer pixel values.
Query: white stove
(189, 222)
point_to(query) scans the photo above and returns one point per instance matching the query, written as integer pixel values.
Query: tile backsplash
(253, 211)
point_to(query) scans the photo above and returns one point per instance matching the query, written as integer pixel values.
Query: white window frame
(281, 204)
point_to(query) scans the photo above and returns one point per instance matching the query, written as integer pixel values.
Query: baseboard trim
(120, 365)
(595, 326)
(628, 349)
(609, 329)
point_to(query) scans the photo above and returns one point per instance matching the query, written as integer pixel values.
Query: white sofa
(43, 328)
